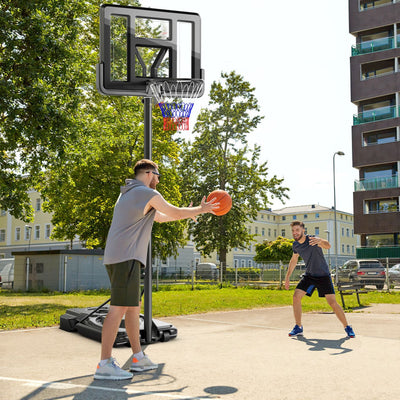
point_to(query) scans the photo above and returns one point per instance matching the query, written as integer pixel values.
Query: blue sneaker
(296, 331)
(349, 331)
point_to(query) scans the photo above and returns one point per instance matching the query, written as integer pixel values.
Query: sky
(297, 57)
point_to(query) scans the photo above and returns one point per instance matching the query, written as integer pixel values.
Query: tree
(220, 158)
(276, 250)
(43, 46)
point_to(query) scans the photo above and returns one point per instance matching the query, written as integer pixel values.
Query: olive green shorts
(125, 283)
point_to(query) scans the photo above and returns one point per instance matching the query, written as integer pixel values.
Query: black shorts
(323, 283)
(125, 283)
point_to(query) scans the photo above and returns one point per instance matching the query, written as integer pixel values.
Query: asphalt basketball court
(243, 354)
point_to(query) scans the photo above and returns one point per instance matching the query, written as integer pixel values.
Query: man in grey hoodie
(137, 207)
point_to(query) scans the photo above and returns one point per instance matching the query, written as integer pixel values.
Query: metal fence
(269, 274)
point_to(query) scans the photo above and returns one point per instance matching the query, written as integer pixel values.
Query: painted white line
(71, 386)
(231, 323)
(29, 330)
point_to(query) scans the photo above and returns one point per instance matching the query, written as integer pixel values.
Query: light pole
(339, 153)
(27, 258)
(329, 250)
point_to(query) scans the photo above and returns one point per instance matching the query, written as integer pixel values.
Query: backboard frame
(132, 84)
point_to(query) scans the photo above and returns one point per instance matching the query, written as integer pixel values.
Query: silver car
(394, 273)
(363, 272)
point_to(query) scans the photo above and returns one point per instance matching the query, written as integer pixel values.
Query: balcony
(375, 114)
(378, 252)
(376, 183)
(372, 46)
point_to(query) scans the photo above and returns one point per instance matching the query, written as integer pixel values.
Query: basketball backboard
(143, 45)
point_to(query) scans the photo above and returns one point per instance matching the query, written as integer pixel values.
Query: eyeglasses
(154, 173)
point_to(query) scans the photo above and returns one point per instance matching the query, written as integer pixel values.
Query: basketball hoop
(169, 95)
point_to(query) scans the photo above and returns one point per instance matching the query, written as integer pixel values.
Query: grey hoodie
(130, 231)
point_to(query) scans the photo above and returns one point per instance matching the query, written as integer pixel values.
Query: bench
(346, 289)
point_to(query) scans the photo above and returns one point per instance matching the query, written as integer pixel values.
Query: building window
(283, 233)
(17, 234)
(262, 216)
(38, 204)
(316, 215)
(27, 232)
(256, 230)
(263, 232)
(2, 213)
(348, 232)
(305, 216)
(249, 264)
(379, 137)
(269, 231)
(317, 230)
(352, 249)
(348, 249)
(367, 4)
(39, 268)
(2, 235)
(294, 217)
(37, 232)
(47, 231)
(242, 264)
(283, 218)
(342, 231)
(381, 206)
(275, 232)
(342, 248)
(236, 262)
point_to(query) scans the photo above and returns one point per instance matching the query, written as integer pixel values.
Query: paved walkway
(226, 355)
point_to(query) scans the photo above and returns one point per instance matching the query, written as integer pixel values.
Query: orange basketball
(224, 200)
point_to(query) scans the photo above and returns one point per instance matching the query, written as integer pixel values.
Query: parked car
(394, 273)
(363, 272)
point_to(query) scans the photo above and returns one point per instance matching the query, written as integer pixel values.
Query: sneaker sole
(142, 369)
(112, 378)
(296, 334)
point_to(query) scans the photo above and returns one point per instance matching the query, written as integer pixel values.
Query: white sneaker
(142, 365)
(111, 371)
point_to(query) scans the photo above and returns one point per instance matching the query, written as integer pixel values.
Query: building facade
(375, 90)
(318, 220)
(17, 236)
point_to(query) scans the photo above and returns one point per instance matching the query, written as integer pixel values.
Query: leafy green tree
(43, 45)
(220, 158)
(82, 192)
(275, 250)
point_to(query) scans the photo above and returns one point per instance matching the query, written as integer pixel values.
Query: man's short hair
(143, 164)
(297, 223)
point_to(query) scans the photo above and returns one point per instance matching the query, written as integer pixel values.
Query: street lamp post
(339, 153)
(27, 258)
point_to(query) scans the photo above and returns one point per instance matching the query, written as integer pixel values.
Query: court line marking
(69, 386)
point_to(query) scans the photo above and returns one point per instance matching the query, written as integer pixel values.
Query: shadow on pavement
(325, 344)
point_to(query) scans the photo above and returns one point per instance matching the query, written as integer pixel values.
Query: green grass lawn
(27, 310)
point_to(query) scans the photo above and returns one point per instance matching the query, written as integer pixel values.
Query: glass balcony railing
(375, 114)
(371, 46)
(376, 183)
(378, 252)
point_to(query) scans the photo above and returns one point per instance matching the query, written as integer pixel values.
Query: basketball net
(169, 95)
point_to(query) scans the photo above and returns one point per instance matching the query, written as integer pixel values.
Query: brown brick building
(375, 90)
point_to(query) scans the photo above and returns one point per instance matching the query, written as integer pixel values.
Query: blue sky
(296, 55)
